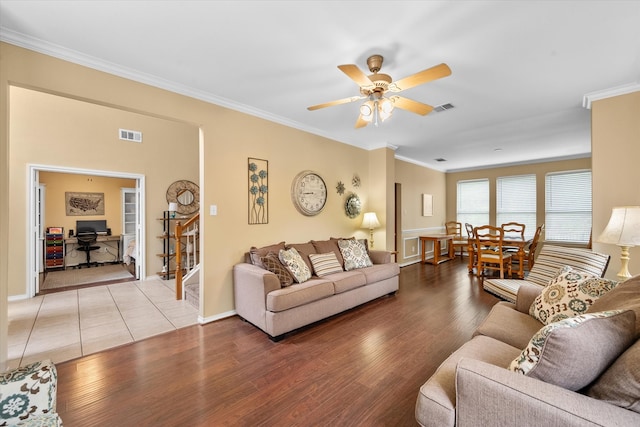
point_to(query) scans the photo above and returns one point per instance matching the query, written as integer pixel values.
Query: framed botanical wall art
(258, 191)
(83, 204)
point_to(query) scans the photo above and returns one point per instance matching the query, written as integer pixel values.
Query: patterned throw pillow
(295, 264)
(324, 264)
(272, 263)
(571, 293)
(354, 254)
(574, 352)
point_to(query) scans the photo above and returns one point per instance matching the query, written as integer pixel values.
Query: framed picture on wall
(81, 204)
(427, 205)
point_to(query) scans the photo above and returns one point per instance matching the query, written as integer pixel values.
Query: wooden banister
(191, 234)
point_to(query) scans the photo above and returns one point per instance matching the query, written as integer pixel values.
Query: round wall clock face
(187, 196)
(308, 193)
(352, 206)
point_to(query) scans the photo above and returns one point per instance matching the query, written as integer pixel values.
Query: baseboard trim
(220, 316)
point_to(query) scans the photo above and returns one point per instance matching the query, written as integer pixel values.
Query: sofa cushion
(570, 293)
(437, 397)
(331, 245)
(272, 263)
(378, 272)
(304, 249)
(354, 254)
(573, 352)
(257, 253)
(347, 280)
(508, 325)
(625, 296)
(299, 294)
(291, 259)
(620, 383)
(324, 264)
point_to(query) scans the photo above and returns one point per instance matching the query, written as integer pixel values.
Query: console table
(437, 239)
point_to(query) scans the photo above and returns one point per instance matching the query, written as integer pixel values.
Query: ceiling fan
(379, 107)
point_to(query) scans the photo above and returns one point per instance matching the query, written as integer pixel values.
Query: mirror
(185, 197)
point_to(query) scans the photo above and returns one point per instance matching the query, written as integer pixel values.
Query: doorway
(39, 211)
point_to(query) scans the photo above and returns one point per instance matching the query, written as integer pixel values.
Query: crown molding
(609, 93)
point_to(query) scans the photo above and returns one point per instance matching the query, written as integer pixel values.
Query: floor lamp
(623, 230)
(370, 221)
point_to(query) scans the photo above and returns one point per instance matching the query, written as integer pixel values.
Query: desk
(104, 241)
(517, 241)
(436, 239)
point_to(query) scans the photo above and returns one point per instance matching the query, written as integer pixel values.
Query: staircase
(188, 261)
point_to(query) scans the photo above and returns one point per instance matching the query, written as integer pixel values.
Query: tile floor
(66, 325)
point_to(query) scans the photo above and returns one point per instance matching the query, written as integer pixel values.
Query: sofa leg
(277, 338)
(390, 294)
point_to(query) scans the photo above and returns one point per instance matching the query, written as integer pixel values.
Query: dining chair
(458, 241)
(490, 252)
(471, 244)
(530, 250)
(513, 229)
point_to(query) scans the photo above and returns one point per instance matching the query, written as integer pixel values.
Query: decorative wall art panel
(258, 191)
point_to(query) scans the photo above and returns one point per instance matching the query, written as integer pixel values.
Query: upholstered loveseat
(278, 293)
(28, 396)
(565, 370)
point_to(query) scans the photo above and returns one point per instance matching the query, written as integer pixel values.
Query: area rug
(86, 276)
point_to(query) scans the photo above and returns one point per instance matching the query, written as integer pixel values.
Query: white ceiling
(520, 69)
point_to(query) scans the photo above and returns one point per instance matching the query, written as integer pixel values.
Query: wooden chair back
(513, 229)
(489, 250)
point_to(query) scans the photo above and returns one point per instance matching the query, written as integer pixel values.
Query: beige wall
(615, 138)
(539, 169)
(57, 184)
(415, 181)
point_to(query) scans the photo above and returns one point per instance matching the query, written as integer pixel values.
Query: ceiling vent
(440, 159)
(443, 107)
(130, 135)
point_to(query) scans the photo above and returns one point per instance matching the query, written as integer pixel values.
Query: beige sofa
(473, 386)
(261, 299)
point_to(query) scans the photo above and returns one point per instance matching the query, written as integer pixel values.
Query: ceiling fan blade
(357, 76)
(360, 123)
(337, 102)
(423, 76)
(411, 105)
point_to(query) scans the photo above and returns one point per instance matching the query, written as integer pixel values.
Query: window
(516, 201)
(473, 202)
(568, 206)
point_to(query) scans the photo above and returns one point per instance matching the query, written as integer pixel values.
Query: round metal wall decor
(352, 206)
(186, 195)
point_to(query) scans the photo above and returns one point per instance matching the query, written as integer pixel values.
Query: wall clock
(352, 206)
(187, 196)
(308, 193)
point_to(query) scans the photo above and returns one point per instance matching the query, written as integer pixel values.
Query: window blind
(473, 202)
(568, 206)
(516, 201)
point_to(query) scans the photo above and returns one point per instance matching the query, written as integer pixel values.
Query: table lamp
(173, 207)
(370, 221)
(623, 230)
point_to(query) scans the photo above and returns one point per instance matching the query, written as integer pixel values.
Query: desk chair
(87, 239)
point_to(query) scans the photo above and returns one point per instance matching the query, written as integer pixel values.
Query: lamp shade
(173, 207)
(370, 221)
(623, 228)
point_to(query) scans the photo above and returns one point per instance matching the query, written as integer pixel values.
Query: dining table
(437, 239)
(516, 241)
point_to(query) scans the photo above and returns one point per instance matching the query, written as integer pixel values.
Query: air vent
(442, 107)
(130, 135)
(440, 159)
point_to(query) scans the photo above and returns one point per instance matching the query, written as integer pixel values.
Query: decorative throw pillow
(295, 264)
(272, 263)
(573, 352)
(257, 253)
(620, 383)
(571, 293)
(354, 254)
(324, 264)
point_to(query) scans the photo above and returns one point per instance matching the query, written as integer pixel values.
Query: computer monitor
(97, 225)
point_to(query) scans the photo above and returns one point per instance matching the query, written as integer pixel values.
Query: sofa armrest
(251, 284)
(379, 257)
(527, 293)
(491, 395)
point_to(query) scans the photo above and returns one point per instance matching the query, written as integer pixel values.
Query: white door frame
(33, 263)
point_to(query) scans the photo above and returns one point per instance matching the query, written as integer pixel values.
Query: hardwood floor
(360, 368)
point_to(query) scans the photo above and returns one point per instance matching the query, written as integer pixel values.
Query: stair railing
(187, 237)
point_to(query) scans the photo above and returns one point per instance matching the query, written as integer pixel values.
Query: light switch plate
(213, 210)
